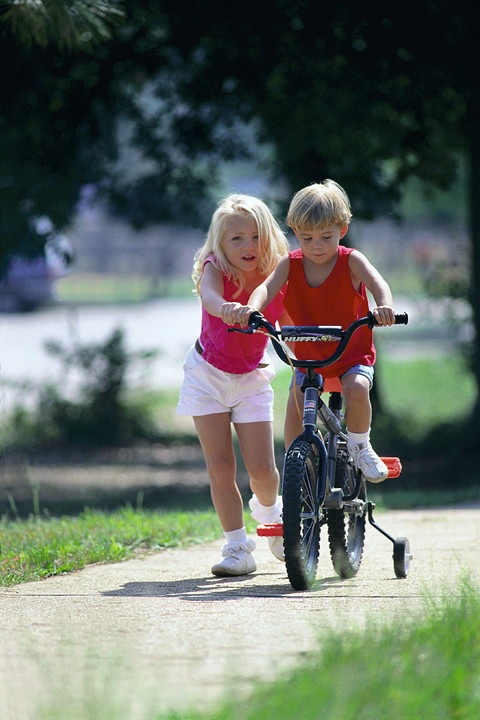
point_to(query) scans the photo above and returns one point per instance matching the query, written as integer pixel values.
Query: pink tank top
(334, 302)
(235, 353)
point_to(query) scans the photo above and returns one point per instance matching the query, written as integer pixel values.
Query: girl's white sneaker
(237, 560)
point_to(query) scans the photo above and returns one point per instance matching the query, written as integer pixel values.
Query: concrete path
(160, 632)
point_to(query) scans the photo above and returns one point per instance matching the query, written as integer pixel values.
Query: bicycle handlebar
(312, 333)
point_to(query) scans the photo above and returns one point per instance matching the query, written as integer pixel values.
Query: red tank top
(334, 302)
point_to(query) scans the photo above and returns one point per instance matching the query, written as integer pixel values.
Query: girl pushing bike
(227, 375)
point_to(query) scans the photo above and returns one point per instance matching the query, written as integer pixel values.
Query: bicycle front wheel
(301, 513)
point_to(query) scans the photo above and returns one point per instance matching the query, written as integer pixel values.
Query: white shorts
(206, 390)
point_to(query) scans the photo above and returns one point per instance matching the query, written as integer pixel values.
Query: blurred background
(123, 125)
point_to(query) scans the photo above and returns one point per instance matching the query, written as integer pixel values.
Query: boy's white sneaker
(368, 462)
(237, 560)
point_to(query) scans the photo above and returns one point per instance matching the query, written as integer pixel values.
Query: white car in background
(30, 283)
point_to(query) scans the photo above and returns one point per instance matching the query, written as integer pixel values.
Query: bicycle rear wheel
(301, 516)
(346, 528)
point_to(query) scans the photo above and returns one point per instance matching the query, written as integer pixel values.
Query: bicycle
(320, 484)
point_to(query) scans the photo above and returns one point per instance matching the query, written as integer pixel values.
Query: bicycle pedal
(394, 466)
(270, 530)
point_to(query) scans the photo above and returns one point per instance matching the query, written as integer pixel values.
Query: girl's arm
(363, 271)
(211, 295)
(211, 289)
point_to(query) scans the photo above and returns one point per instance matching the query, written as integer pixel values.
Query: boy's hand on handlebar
(233, 313)
(384, 315)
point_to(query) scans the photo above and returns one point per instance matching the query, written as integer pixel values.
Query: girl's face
(320, 246)
(240, 242)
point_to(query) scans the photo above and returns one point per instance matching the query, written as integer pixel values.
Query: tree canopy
(371, 94)
(342, 90)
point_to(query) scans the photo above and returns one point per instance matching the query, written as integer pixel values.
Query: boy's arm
(271, 286)
(263, 293)
(363, 270)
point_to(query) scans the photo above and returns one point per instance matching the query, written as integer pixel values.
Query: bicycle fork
(331, 497)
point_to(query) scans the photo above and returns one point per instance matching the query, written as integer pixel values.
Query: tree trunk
(473, 439)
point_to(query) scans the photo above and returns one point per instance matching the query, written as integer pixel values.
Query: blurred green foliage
(101, 413)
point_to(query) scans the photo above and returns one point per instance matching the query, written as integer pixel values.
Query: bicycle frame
(312, 467)
(312, 388)
(313, 405)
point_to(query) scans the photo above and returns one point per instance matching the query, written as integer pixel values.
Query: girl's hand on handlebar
(233, 313)
(384, 315)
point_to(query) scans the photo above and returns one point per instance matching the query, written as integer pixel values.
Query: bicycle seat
(332, 385)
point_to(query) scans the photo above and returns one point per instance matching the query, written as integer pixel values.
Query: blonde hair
(272, 243)
(319, 204)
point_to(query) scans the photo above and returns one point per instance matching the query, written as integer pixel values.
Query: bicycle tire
(401, 557)
(301, 513)
(346, 530)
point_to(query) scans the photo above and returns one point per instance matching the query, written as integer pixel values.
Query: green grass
(102, 288)
(387, 499)
(39, 547)
(427, 391)
(426, 668)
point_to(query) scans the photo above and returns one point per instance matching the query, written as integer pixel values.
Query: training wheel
(401, 557)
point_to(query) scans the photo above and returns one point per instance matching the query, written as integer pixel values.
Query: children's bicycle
(320, 484)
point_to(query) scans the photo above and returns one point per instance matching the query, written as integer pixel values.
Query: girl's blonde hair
(317, 205)
(272, 243)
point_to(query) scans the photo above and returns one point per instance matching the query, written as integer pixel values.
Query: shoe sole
(376, 480)
(226, 573)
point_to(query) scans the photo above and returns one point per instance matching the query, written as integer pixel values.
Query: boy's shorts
(365, 370)
(206, 390)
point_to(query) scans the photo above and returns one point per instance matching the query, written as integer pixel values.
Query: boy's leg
(358, 418)
(358, 410)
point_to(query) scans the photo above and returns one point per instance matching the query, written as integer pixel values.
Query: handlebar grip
(401, 318)
(255, 319)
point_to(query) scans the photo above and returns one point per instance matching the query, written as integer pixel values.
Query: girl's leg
(256, 445)
(293, 415)
(215, 436)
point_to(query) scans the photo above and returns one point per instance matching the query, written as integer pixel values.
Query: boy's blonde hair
(272, 243)
(319, 204)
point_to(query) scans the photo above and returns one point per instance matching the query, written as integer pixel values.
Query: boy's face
(320, 246)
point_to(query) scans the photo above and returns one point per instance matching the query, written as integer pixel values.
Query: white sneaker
(269, 516)
(275, 543)
(367, 461)
(238, 560)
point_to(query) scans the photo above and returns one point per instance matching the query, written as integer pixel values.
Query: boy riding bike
(327, 284)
